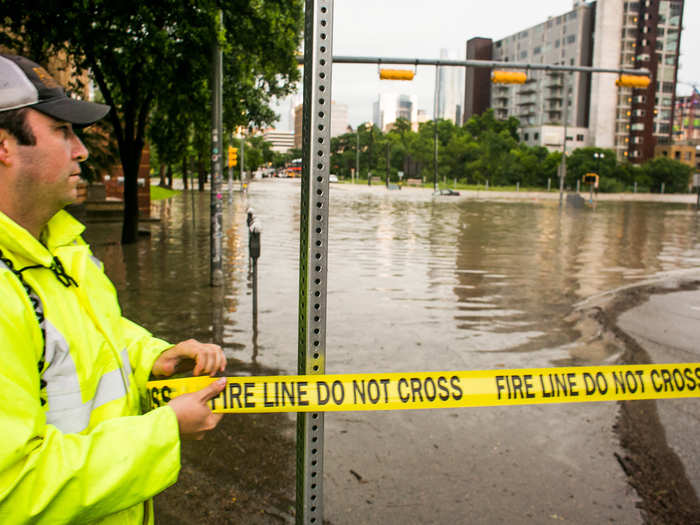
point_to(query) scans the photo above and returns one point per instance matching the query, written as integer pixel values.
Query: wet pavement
(414, 284)
(667, 326)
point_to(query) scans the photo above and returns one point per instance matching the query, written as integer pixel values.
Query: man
(74, 447)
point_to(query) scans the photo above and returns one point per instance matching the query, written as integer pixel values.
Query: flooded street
(414, 284)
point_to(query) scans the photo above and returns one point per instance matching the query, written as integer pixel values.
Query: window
(523, 54)
(579, 138)
(537, 136)
(537, 50)
(556, 43)
(637, 126)
(677, 155)
(526, 136)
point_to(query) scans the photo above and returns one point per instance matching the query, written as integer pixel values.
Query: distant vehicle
(332, 178)
(446, 192)
(294, 168)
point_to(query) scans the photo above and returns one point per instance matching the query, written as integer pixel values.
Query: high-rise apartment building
(686, 119)
(339, 121)
(477, 81)
(281, 141)
(606, 34)
(650, 37)
(450, 81)
(390, 106)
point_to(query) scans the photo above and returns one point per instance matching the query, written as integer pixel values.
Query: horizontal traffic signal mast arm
(479, 63)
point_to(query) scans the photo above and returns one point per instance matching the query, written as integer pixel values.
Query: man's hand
(205, 358)
(193, 414)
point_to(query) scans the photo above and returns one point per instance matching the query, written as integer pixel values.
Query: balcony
(554, 81)
(526, 102)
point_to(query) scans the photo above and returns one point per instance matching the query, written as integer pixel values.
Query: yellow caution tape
(420, 390)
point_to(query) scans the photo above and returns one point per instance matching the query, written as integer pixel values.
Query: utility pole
(435, 131)
(215, 205)
(562, 170)
(388, 151)
(357, 155)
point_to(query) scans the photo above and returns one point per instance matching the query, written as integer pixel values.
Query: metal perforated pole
(313, 250)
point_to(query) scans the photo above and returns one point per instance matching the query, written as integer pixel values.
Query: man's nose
(80, 152)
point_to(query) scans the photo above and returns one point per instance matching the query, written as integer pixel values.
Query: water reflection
(412, 284)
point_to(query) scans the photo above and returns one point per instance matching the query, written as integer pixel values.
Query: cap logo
(45, 78)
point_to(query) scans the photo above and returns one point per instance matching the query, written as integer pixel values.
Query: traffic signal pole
(635, 73)
(435, 130)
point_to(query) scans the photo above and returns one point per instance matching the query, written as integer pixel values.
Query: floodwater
(419, 284)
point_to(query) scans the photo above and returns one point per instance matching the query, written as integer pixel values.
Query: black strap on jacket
(65, 279)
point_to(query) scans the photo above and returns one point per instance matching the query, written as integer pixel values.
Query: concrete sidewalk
(667, 327)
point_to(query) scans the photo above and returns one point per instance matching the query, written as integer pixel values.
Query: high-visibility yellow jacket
(75, 449)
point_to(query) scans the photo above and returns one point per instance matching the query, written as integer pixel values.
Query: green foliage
(674, 175)
(147, 56)
(485, 149)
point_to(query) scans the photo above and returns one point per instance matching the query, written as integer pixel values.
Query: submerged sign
(422, 390)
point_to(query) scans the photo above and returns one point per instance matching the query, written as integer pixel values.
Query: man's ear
(7, 147)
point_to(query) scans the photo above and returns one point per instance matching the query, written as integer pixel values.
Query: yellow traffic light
(232, 156)
(508, 77)
(633, 81)
(396, 74)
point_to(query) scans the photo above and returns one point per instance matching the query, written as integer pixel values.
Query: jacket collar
(61, 230)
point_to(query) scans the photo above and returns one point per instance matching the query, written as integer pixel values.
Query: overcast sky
(420, 28)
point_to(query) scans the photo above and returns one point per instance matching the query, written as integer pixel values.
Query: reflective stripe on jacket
(81, 457)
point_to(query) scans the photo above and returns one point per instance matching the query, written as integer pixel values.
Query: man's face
(50, 170)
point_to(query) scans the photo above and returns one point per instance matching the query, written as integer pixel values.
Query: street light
(597, 156)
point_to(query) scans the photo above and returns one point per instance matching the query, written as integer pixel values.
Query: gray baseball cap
(25, 84)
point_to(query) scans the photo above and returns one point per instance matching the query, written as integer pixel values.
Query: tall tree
(140, 53)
